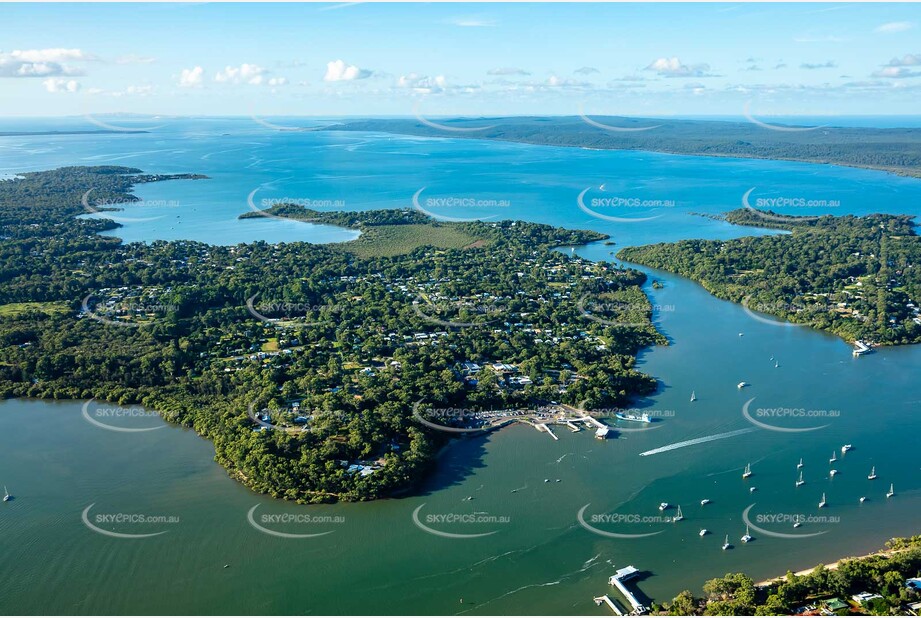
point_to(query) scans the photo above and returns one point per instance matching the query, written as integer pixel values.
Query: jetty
(610, 603)
(861, 348)
(617, 580)
(544, 427)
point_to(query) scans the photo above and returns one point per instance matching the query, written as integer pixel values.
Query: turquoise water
(541, 561)
(367, 171)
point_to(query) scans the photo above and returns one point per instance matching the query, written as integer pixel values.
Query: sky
(447, 59)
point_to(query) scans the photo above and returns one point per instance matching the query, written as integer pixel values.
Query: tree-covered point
(858, 277)
(333, 347)
(883, 574)
(387, 233)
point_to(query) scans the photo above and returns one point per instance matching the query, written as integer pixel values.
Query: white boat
(693, 396)
(863, 499)
(747, 536)
(628, 416)
(846, 448)
(679, 515)
(748, 471)
(663, 506)
(752, 489)
(741, 334)
(705, 502)
(742, 384)
(776, 364)
(834, 457)
(800, 481)
(861, 348)
(703, 532)
(6, 494)
(832, 473)
(726, 543)
(797, 524)
(823, 503)
(891, 491)
(872, 475)
(800, 464)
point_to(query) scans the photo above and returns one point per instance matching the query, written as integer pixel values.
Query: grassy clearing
(14, 310)
(391, 240)
(271, 345)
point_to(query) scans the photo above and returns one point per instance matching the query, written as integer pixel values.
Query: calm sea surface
(377, 558)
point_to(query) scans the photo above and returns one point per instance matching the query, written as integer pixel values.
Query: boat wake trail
(562, 457)
(677, 445)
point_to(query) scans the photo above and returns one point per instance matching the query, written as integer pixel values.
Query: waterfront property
(617, 580)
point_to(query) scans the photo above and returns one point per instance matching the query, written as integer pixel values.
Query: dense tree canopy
(333, 347)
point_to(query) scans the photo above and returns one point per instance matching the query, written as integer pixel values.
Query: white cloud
(57, 84)
(630, 78)
(908, 60)
(135, 91)
(563, 82)
(673, 67)
(41, 62)
(15, 68)
(339, 71)
(244, 74)
(277, 81)
(423, 83)
(830, 64)
(896, 72)
(586, 71)
(507, 71)
(191, 78)
(893, 27)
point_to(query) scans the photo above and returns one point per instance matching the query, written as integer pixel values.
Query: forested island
(857, 277)
(883, 584)
(892, 150)
(302, 363)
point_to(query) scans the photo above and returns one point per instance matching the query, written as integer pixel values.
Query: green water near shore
(541, 560)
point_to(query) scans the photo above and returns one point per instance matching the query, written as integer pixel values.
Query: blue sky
(460, 59)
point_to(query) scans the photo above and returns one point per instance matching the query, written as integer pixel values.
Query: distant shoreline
(897, 151)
